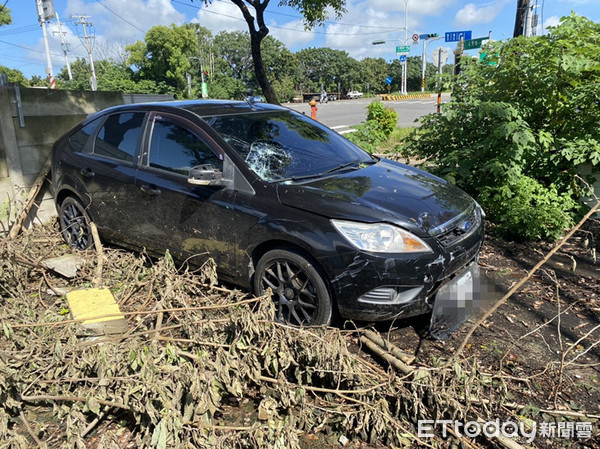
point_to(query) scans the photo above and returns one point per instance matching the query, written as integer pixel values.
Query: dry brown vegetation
(204, 366)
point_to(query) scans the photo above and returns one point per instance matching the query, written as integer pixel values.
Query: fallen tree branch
(35, 189)
(390, 347)
(519, 284)
(385, 355)
(141, 312)
(59, 398)
(97, 281)
(29, 430)
(96, 420)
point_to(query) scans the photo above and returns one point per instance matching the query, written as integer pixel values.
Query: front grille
(463, 228)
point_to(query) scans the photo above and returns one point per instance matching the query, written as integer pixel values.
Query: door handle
(150, 189)
(87, 172)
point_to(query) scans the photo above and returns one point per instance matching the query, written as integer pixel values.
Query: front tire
(75, 224)
(300, 292)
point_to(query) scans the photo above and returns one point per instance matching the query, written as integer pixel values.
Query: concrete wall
(31, 120)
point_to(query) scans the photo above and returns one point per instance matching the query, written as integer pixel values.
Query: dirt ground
(540, 350)
(544, 342)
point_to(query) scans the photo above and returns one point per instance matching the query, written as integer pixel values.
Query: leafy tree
(15, 76)
(233, 55)
(5, 18)
(330, 67)
(38, 81)
(111, 76)
(315, 12)
(414, 73)
(280, 63)
(225, 87)
(518, 126)
(163, 56)
(374, 71)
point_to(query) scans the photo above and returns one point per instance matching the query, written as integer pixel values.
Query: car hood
(386, 191)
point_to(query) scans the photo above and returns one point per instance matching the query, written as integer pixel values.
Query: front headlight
(380, 237)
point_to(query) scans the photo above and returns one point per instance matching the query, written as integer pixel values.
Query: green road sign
(204, 87)
(474, 43)
(403, 49)
(489, 59)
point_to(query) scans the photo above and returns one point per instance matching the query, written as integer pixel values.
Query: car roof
(201, 108)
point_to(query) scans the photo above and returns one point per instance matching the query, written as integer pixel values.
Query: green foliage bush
(386, 118)
(381, 122)
(527, 209)
(515, 131)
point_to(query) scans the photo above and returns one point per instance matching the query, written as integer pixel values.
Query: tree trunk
(259, 70)
(256, 37)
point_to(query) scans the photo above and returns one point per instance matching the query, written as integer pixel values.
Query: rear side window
(177, 149)
(119, 136)
(79, 139)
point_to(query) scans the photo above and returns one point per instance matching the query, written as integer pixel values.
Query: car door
(191, 221)
(107, 172)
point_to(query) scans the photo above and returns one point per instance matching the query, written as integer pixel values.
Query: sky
(116, 23)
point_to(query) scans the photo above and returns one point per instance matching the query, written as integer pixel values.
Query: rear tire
(75, 224)
(300, 292)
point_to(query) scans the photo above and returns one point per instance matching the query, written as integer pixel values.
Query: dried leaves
(182, 380)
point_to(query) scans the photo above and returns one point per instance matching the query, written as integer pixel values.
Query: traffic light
(431, 35)
(378, 42)
(48, 12)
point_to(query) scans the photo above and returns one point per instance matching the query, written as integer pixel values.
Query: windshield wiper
(339, 167)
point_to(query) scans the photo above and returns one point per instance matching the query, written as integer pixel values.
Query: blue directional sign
(388, 80)
(402, 58)
(423, 36)
(455, 36)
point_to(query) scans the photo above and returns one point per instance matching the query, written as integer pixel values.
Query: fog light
(390, 295)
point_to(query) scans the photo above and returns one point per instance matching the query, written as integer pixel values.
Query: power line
(23, 29)
(27, 48)
(293, 29)
(83, 21)
(120, 17)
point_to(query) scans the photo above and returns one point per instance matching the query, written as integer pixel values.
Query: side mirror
(206, 175)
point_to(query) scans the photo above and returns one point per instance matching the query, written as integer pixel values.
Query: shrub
(368, 136)
(528, 210)
(386, 118)
(515, 130)
(380, 124)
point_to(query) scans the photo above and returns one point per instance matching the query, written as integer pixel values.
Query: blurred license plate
(455, 302)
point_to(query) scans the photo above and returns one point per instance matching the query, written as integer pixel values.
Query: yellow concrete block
(93, 302)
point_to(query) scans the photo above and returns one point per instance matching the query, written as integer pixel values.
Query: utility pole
(520, 17)
(404, 91)
(429, 38)
(64, 46)
(83, 20)
(45, 9)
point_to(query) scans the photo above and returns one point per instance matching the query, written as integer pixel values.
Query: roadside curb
(406, 97)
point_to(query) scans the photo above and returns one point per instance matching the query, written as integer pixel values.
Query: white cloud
(225, 16)
(123, 20)
(470, 14)
(551, 22)
(365, 23)
(139, 15)
(420, 7)
(292, 34)
(221, 16)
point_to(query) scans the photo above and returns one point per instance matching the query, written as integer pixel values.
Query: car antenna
(250, 98)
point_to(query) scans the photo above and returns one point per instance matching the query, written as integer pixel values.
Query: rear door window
(119, 136)
(80, 140)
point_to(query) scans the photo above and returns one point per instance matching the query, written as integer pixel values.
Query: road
(341, 115)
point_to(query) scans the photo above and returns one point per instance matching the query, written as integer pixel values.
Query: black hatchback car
(278, 200)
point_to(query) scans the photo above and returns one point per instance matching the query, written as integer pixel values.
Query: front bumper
(381, 287)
